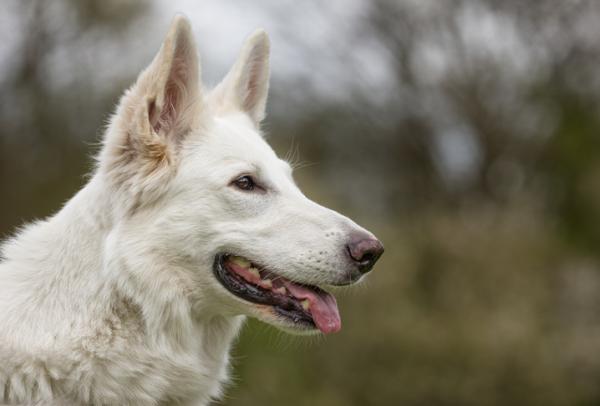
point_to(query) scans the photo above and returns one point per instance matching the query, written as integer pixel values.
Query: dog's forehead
(232, 140)
(236, 135)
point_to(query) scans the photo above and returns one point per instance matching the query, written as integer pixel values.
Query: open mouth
(305, 306)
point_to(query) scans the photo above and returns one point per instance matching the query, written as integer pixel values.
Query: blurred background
(465, 134)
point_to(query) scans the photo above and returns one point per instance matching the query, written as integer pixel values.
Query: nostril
(352, 253)
(365, 253)
(367, 258)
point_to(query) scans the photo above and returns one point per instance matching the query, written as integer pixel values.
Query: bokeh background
(465, 134)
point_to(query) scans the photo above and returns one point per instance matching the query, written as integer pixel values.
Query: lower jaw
(301, 324)
(285, 319)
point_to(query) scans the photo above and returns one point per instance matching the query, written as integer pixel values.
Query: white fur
(113, 300)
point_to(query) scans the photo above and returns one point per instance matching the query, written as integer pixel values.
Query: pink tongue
(323, 307)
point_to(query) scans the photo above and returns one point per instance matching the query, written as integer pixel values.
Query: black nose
(365, 252)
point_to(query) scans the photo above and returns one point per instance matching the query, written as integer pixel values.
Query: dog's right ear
(159, 110)
(246, 86)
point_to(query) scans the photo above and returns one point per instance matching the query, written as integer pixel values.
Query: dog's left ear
(167, 92)
(163, 106)
(246, 86)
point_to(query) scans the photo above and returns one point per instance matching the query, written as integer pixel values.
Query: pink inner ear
(166, 120)
(251, 94)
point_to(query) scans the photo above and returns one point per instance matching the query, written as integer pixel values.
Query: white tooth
(254, 272)
(282, 290)
(267, 284)
(240, 261)
(305, 304)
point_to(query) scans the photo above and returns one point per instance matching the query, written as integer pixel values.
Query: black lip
(283, 305)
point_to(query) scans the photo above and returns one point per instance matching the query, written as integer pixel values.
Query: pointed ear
(160, 109)
(153, 116)
(246, 86)
(169, 87)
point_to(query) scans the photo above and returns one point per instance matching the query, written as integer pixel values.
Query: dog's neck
(61, 268)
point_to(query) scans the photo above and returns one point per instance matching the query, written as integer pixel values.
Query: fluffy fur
(113, 300)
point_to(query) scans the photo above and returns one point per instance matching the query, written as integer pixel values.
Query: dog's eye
(245, 183)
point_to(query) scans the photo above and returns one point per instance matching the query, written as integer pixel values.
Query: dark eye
(244, 183)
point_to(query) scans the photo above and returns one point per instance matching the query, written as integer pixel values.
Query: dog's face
(208, 196)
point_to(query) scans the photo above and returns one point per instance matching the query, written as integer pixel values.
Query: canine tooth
(267, 283)
(305, 304)
(254, 272)
(240, 261)
(282, 290)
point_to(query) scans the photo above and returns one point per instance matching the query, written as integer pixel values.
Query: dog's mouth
(306, 306)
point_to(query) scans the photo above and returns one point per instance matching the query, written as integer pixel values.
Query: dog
(133, 293)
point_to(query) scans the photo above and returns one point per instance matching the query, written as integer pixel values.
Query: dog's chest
(138, 373)
(143, 375)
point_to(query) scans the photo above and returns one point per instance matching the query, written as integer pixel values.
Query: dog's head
(205, 203)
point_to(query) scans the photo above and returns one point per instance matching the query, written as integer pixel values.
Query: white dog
(133, 293)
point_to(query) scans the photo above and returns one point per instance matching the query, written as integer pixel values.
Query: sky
(312, 42)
